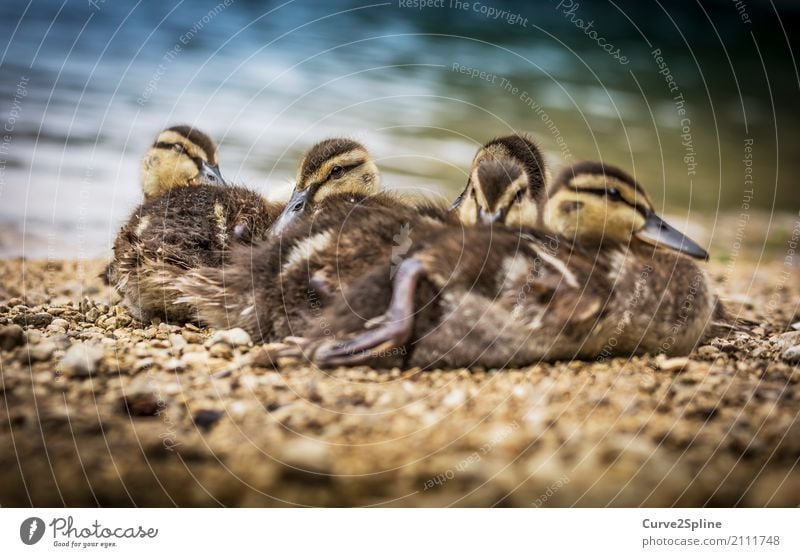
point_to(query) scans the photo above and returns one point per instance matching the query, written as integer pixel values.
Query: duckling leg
(392, 334)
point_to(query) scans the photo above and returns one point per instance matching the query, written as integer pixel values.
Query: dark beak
(211, 174)
(460, 197)
(295, 207)
(491, 218)
(658, 233)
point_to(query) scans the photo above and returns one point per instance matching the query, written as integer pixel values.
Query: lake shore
(100, 410)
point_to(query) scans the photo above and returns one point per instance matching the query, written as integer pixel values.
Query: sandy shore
(100, 410)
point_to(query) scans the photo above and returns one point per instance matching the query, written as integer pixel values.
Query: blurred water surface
(84, 87)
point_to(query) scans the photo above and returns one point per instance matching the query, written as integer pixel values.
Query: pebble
(206, 419)
(192, 337)
(37, 320)
(175, 365)
(796, 326)
(672, 364)
(792, 355)
(141, 401)
(81, 359)
(60, 323)
(221, 350)
(42, 352)
(231, 337)
(305, 454)
(707, 351)
(11, 336)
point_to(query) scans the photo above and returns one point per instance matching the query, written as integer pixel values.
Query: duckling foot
(387, 336)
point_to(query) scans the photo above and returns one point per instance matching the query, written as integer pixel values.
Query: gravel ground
(99, 410)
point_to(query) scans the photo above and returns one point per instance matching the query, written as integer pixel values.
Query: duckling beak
(460, 198)
(211, 174)
(297, 203)
(658, 233)
(491, 218)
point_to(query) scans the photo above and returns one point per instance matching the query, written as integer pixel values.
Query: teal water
(85, 86)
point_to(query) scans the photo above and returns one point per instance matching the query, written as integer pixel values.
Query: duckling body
(495, 297)
(280, 287)
(173, 233)
(189, 219)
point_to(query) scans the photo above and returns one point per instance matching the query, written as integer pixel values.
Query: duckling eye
(613, 193)
(178, 148)
(337, 171)
(518, 196)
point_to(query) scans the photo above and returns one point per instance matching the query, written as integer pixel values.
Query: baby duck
(514, 203)
(190, 218)
(336, 169)
(180, 156)
(614, 280)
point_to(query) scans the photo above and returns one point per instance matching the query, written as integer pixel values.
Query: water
(85, 87)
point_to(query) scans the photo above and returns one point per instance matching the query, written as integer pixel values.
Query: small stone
(454, 398)
(42, 352)
(306, 455)
(206, 419)
(786, 340)
(37, 320)
(141, 402)
(673, 364)
(175, 365)
(60, 323)
(81, 359)
(707, 352)
(648, 384)
(110, 324)
(221, 350)
(192, 337)
(195, 359)
(792, 355)
(144, 364)
(177, 341)
(11, 336)
(796, 326)
(231, 337)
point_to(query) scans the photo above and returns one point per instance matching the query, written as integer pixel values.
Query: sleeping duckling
(183, 224)
(335, 169)
(614, 280)
(180, 156)
(514, 203)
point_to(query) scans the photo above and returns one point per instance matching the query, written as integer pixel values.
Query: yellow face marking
(586, 217)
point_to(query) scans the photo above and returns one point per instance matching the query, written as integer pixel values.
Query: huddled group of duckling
(516, 271)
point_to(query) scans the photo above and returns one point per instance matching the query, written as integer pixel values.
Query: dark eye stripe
(601, 192)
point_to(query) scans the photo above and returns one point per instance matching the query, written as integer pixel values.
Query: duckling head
(332, 168)
(180, 156)
(522, 207)
(499, 193)
(593, 203)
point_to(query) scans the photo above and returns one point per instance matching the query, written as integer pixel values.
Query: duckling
(503, 200)
(337, 170)
(180, 156)
(183, 224)
(610, 279)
